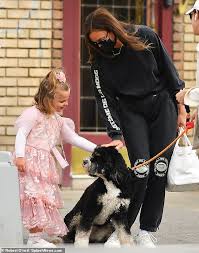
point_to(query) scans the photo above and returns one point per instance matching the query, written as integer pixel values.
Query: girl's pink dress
(39, 191)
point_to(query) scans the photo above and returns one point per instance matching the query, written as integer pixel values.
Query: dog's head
(106, 163)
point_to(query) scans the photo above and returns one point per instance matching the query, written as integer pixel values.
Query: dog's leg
(122, 228)
(84, 230)
(100, 234)
(124, 236)
(82, 238)
(69, 237)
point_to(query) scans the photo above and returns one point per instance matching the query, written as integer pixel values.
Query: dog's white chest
(110, 202)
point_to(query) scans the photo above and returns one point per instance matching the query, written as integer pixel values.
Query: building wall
(31, 38)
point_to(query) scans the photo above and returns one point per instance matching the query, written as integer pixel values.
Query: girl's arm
(20, 141)
(69, 136)
(23, 124)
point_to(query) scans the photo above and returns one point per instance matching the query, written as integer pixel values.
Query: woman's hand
(180, 96)
(182, 115)
(118, 144)
(20, 163)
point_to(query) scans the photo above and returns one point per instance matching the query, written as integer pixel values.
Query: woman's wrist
(181, 109)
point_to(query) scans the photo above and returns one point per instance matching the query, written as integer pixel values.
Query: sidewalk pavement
(178, 233)
(180, 223)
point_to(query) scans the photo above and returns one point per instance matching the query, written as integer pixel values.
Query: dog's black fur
(104, 204)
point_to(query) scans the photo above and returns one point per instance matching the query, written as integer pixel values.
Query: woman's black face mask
(107, 46)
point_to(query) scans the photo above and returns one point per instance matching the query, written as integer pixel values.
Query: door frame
(165, 24)
(71, 64)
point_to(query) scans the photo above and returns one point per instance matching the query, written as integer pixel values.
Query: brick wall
(30, 32)
(184, 46)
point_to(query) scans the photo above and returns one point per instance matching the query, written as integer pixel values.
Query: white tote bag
(183, 172)
(196, 133)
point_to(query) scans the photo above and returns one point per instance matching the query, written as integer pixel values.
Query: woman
(135, 85)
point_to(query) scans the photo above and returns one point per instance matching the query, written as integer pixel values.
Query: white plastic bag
(183, 172)
(196, 133)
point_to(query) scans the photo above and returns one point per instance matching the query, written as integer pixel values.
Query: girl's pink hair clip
(61, 77)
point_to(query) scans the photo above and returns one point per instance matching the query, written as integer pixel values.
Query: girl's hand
(194, 115)
(116, 143)
(180, 96)
(20, 163)
(182, 115)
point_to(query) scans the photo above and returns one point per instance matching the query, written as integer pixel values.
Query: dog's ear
(119, 167)
(116, 176)
(119, 161)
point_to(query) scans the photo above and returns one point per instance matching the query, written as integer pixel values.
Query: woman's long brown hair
(102, 19)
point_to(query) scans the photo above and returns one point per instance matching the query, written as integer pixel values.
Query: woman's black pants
(148, 126)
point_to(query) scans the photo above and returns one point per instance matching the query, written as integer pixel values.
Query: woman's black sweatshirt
(135, 74)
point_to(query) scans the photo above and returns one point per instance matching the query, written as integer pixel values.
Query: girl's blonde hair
(55, 79)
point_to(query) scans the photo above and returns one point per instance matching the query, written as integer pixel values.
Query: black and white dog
(104, 204)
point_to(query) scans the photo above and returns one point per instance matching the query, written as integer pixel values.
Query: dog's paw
(54, 239)
(82, 244)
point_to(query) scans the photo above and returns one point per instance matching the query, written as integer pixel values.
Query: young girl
(39, 129)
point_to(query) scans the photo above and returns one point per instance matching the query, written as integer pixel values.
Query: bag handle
(184, 137)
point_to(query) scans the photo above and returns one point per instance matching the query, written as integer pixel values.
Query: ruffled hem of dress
(37, 213)
(34, 188)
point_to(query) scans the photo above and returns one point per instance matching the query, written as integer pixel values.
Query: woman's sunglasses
(98, 43)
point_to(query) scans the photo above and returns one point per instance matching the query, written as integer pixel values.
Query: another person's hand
(20, 163)
(118, 144)
(180, 96)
